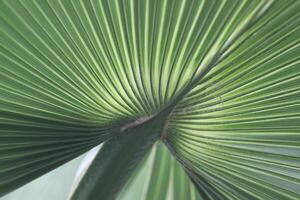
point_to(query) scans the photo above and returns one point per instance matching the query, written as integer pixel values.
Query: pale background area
(55, 185)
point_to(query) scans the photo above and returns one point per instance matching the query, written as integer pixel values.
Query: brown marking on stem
(165, 130)
(136, 123)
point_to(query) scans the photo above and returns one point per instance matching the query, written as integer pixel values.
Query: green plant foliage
(159, 177)
(200, 96)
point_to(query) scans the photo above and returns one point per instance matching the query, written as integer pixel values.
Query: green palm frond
(202, 97)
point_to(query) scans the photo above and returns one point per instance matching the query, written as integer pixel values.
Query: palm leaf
(159, 176)
(216, 81)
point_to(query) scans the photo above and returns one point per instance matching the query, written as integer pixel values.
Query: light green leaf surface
(217, 81)
(160, 176)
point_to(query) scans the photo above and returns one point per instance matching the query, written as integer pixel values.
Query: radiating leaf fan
(192, 99)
